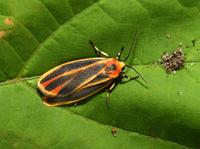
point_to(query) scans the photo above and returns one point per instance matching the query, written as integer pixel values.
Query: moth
(76, 80)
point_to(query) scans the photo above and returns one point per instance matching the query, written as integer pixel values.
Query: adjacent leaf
(38, 35)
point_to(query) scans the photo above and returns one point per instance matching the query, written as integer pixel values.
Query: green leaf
(37, 35)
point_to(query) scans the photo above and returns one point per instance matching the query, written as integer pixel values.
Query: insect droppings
(174, 61)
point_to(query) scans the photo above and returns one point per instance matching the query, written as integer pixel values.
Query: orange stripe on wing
(45, 99)
(59, 88)
(45, 84)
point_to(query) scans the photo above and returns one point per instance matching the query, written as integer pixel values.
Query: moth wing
(78, 95)
(66, 78)
(101, 78)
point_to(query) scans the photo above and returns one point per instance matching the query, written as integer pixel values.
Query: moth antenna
(132, 46)
(136, 72)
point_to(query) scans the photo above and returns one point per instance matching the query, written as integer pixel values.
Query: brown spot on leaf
(9, 21)
(2, 34)
(114, 131)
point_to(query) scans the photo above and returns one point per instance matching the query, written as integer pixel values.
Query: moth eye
(111, 67)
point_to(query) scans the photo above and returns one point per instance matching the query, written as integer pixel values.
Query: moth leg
(110, 89)
(98, 52)
(129, 78)
(119, 53)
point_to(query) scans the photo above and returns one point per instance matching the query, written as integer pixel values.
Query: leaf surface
(37, 35)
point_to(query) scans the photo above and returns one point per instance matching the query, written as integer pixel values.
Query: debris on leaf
(168, 36)
(174, 71)
(179, 92)
(180, 44)
(114, 131)
(174, 61)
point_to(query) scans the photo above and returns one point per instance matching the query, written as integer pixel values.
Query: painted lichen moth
(76, 80)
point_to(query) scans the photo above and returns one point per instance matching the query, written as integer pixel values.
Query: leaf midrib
(21, 79)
